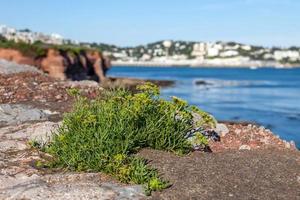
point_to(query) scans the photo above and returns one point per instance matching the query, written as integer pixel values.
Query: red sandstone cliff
(63, 64)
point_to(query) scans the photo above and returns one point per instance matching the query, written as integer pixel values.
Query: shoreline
(32, 106)
(200, 65)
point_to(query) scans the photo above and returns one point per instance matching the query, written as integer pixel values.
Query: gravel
(249, 136)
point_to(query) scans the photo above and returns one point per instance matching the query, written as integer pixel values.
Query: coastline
(193, 64)
(32, 106)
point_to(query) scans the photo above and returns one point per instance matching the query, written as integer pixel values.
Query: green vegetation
(103, 134)
(39, 49)
(31, 50)
(292, 62)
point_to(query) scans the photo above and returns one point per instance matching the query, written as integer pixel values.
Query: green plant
(199, 140)
(31, 50)
(34, 144)
(104, 133)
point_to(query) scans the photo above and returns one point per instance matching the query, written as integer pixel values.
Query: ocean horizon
(266, 96)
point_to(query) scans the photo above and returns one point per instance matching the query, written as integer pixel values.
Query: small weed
(34, 144)
(39, 164)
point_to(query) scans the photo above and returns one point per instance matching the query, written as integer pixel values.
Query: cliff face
(63, 64)
(16, 56)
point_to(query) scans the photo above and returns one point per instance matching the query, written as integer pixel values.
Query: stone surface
(19, 179)
(7, 67)
(16, 114)
(11, 145)
(262, 174)
(196, 118)
(40, 132)
(85, 83)
(221, 129)
(68, 186)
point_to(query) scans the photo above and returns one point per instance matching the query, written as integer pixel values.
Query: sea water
(267, 96)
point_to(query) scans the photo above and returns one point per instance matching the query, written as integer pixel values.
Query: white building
(292, 55)
(56, 38)
(145, 57)
(29, 37)
(227, 47)
(268, 56)
(229, 53)
(199, 50)
(5, 30)
(246, 47)
(158, 52)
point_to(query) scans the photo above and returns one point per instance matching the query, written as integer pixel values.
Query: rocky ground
(249, 162)
(255, 174)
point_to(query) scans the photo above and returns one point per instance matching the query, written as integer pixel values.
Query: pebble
(245, 147)
(293, 143)
(238, 131)
(287, 144)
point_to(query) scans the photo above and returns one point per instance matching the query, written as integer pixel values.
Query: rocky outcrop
(54, 64)
(31, 108)
(11, 114)
(68, 186)
(16, 56)
(64, 64)
(7, 67)
(22, 178)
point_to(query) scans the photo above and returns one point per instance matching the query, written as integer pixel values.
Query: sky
(134, 22)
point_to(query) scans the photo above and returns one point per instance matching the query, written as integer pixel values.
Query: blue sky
(132, 22)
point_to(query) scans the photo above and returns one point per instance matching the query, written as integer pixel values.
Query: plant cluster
(103, 134)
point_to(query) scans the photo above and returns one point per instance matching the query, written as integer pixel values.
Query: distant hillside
(158, 53)
(183, 50)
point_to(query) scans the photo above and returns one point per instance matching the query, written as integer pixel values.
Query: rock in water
(202, 82)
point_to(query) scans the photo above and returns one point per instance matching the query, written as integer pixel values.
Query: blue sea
(267, 96)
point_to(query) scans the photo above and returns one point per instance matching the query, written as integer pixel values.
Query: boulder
(221, 129)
